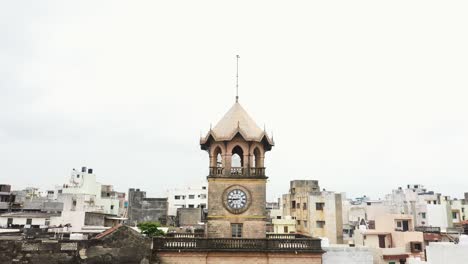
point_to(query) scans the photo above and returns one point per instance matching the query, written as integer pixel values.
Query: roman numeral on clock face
(236, 199)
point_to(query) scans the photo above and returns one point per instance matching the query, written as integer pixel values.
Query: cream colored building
(285, 225)
(393, 236)
(317, 213)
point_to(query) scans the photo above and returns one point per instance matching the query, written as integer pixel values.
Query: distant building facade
(317, 213)
(189, 197)
(143, 209)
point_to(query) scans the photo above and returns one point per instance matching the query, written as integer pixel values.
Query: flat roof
(30, 214)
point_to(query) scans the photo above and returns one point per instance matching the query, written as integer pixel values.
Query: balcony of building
(275, 243)
(237, 172)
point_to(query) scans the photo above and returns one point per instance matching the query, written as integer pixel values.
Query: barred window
(236, 230)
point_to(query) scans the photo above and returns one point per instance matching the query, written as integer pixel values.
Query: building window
(402, 225)
(416, 247)
(236, 230)
(191, 206)
(112, 207)
(319, 206)
(29, 221)
(454, 215)
(278, 217)
(423, 215)
(304, 206)
(191, 196)
(285, 229)
(305, 223)
(320, 224)
(463, 209)
(381, 241)
(177, 197)
(202, 196)
(203, 188)
(298, 222)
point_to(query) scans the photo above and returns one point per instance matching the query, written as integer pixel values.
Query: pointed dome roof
(237, 120)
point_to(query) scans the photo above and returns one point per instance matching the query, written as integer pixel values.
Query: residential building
(143, 209)
(394, 235)
(285, 225)
(84, 200)
(317, 213)
(189, 197)
(28, 219)
(6, 198)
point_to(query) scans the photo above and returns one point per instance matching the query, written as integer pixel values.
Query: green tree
(150, 229)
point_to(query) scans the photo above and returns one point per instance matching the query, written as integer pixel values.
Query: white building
(428, 209)
(342, 254)
(189, 197)
(28, 219)
(445, 253)
(83, 194)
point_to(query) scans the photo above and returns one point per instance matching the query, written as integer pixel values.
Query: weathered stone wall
(142, 209)
(94, 219)
(189, 216)
(37, 252)
(121, 247)
(253, 219)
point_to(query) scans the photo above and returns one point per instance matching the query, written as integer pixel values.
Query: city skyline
(115, 88)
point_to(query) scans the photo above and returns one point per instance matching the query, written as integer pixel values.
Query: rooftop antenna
(237, 78)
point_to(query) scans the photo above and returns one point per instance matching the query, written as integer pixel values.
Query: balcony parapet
(286, 236)
(428, 229)
(237, 172)
(311, 245)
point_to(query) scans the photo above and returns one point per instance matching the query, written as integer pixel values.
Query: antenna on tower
(237, 78)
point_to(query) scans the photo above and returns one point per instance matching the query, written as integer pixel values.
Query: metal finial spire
(237, 78)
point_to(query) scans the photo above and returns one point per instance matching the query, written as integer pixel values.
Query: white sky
(364, 96)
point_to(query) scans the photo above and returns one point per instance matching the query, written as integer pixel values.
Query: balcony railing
(215, 171)
(286, 236)
(237, 171)
(427, 229)
(237, 244)
(185, 235)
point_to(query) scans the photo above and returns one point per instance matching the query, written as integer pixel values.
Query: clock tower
(236, 180)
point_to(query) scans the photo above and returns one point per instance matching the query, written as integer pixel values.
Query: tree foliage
(150, 229)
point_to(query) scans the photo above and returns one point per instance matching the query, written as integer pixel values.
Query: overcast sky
(364, 96)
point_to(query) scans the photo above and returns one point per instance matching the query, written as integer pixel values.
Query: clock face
(236, 199)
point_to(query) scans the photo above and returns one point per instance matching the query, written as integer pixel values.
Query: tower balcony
(276, 245)
(237, 172)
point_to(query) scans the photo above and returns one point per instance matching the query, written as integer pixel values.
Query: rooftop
(237, 120)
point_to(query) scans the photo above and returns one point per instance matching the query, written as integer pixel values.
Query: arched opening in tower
(256, 158)
(237, 157)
